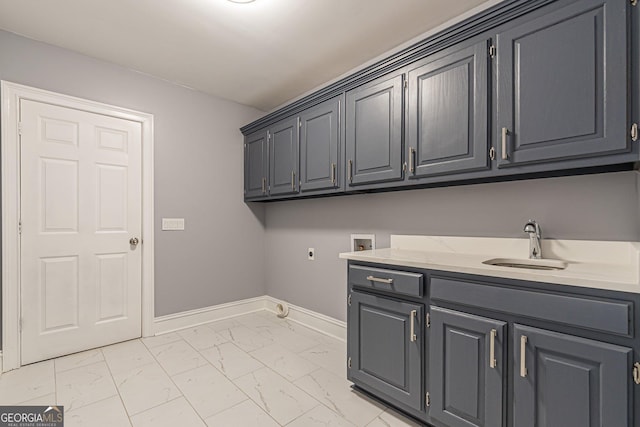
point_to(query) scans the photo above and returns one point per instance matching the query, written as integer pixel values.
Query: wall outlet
(311, 254)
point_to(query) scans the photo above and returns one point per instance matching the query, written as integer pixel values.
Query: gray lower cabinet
(562, 84)
(467, 366)
(373, 131)
(283, 157)
(386, 339)
(448, 116)
(255, 165)
(319, 147)
(567, 381)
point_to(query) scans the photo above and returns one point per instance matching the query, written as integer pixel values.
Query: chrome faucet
(535, 236)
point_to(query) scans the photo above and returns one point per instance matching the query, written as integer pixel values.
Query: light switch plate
(172, 224)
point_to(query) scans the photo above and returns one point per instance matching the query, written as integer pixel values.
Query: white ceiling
(260, 54)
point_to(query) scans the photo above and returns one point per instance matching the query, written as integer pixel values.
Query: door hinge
(404, 167)
(20, 227)
(636, 373)
(492, 51)
(20, 324)
(349, 363)
(428, 320)
(406, 84)
(427, 399)
(20, 128)
(492, 153)
(349, 300)
(634, 132)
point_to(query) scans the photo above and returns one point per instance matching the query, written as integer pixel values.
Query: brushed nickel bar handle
(412, 153)
(492, 349)
(412, 333)
(293, 180)
(523, 357)
(350, 170)
(377, 279)
(264, 185)
(505, 155)
(333, 173)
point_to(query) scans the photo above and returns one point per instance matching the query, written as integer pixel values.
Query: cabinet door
(255, 165)
(283, 157)
(373, 126)
(563, 380)
(562, 82)
(466, 375)
(319, 145)
(383, 353)
(448, 119)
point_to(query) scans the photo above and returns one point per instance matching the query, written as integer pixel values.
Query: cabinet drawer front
(599, 315)
(398, 282)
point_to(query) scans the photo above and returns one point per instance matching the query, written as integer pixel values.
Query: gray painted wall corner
(198, 171)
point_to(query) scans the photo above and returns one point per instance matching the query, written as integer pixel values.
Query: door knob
(134, 241)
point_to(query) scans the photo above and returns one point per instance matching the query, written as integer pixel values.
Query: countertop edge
(500, 272)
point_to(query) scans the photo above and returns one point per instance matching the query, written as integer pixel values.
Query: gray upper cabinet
(467, 367)
(283, 157)
(373, 131)
(448, 112)
(562, 380)
(319, 147)
(255, 165)
(521, 89)
(386, 337)
(562, 84)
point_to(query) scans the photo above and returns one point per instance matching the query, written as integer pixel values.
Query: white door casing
(83, 175)
(80, 206)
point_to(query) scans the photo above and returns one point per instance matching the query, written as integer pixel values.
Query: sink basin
(533, 264)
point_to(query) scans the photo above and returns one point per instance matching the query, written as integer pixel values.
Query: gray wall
(198, 172)
(227, 254)
(591, 207)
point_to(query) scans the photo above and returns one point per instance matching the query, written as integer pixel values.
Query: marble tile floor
(251, 370)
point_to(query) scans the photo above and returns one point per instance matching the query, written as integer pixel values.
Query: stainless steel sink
(532, 264)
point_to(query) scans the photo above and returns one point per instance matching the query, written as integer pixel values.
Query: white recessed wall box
(363, 242)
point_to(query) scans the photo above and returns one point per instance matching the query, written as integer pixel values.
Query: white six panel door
(80, 206)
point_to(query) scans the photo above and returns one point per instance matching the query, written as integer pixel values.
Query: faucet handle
(533, 227)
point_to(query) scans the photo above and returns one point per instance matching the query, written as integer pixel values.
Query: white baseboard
(191, 318)
(311, 319)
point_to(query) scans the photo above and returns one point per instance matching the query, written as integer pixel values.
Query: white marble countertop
(592, 264)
